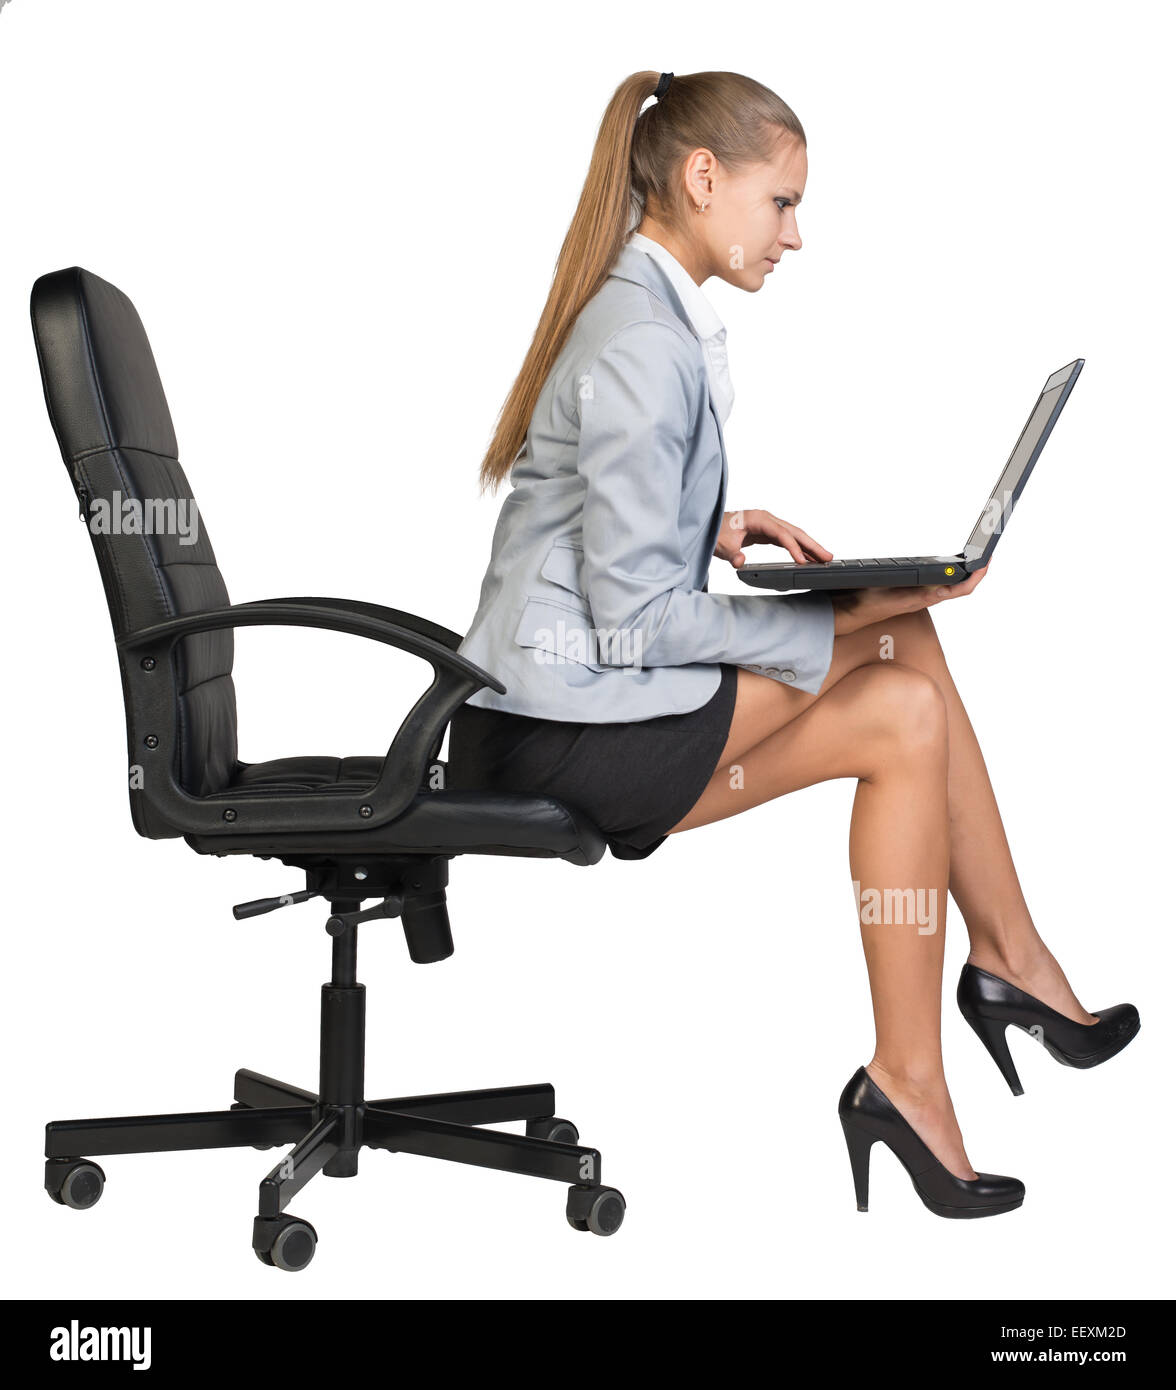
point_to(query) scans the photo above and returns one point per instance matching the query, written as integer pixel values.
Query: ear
(699, 174)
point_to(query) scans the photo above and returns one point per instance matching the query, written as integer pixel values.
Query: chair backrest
(111, 419)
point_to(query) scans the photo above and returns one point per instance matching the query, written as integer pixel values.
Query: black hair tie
(663, 85)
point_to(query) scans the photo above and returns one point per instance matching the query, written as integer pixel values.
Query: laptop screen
(999, 507)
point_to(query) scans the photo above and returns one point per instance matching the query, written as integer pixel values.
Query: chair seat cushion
(287, 776)
(436, 822)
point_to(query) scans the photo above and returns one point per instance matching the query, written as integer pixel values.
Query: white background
(338, 223)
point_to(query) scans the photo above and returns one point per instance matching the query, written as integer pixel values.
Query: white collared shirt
(705, 321)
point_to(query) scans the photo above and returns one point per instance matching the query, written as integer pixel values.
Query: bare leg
(886, 726)
(983, 879)
(984, 883)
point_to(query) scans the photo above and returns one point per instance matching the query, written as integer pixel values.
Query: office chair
(360, 828)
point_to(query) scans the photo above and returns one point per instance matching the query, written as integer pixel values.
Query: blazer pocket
(564, 566)
(563, 630)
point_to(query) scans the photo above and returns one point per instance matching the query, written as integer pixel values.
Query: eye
(783, 203)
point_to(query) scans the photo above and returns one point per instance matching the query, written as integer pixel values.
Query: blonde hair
(634, 165)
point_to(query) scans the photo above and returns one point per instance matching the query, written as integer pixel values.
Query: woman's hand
(858, 608)
(758, 527)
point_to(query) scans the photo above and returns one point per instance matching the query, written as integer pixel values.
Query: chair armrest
(398, 616)
(335, 614)
(154, 735)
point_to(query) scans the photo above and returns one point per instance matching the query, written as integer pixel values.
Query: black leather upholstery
(111, 418)
(112, 422)
(437, 821)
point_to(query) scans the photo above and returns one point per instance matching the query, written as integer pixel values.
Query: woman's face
(751, 218)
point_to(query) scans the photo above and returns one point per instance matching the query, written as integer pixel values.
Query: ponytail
(634, 163)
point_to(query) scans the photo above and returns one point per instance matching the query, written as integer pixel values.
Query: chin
(745, 279)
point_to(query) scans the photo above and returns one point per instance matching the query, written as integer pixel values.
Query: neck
(686, 256)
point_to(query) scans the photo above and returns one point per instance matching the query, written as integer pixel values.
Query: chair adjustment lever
(338, 922)
(260, 905)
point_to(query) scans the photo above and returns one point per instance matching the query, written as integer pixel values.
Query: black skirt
(635, 780)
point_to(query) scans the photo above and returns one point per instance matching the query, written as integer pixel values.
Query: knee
(904, 708)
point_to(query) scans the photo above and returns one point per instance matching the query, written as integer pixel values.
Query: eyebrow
(787, 193)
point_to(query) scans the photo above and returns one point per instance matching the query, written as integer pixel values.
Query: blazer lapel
(717, 519)
(633, 264)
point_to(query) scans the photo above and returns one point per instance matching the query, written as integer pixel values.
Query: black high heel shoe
(868, 1116)
(990, 1004)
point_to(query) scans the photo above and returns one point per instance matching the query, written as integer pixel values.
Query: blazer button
(788, 675)
(772, 671)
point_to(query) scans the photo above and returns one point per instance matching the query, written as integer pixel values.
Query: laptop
(903, 571)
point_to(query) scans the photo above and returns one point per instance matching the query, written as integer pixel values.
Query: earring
(702, 207)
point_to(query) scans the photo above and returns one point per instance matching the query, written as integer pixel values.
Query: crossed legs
(924, 819)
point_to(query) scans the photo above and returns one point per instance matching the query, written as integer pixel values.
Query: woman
(656, 707)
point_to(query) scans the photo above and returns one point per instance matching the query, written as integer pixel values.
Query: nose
(790, 232)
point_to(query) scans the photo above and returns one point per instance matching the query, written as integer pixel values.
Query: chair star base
(328, 1128)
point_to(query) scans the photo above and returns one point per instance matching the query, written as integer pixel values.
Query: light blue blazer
(594, 607)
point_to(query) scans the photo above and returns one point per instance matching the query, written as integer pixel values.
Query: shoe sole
(1096, 1058)
(969, 1213)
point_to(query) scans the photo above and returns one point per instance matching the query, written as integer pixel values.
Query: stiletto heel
(991, 1032)
(859, 1144)
(868, 1116)
(990, 1004)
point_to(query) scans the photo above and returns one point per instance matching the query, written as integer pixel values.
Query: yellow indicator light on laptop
(950, 569)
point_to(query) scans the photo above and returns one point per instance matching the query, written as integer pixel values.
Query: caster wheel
(597, 1209)
(240, 1105)
(74, 1182)
(561, 1131)
(293, 1247)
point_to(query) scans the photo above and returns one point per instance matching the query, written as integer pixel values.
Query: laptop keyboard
(888, 563)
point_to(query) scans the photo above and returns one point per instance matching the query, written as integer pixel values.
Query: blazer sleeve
(637, 404)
